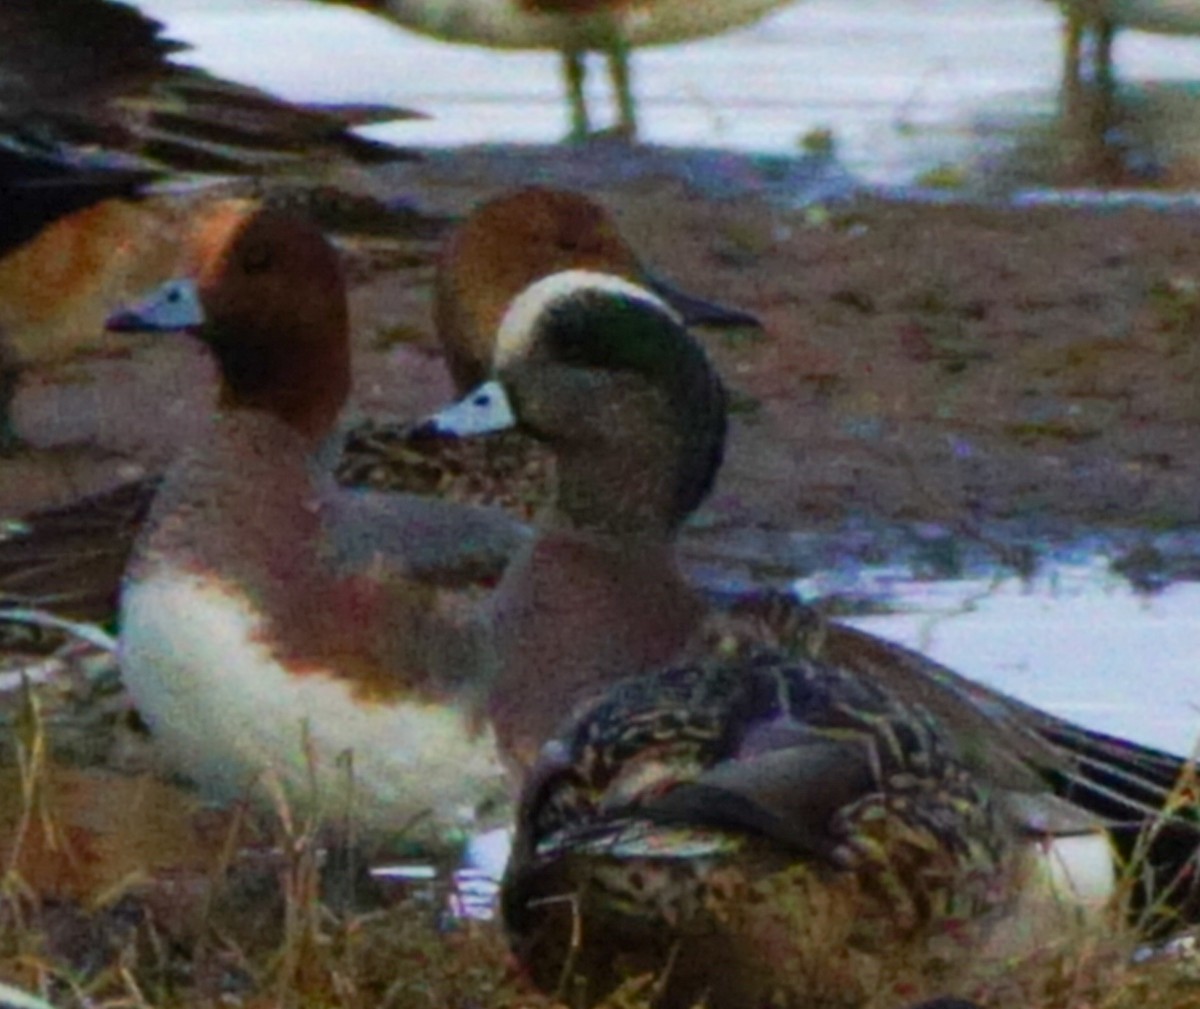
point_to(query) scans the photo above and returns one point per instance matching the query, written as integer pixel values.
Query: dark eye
(256, 259)
(174, 296)
(483, 399)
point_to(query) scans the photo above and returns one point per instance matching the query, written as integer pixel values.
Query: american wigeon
(735, 800)
(574, 28)
(70, 559)
(93, 110)
(272, 630)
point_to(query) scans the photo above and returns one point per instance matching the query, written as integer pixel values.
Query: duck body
(506, 471)
(270, 649)
(575, 27)
(580, 25)
(258, 665)
(753, 830)
(40, 183)
(578, 610)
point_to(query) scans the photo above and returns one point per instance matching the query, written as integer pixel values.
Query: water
(905, 86)
(1075, 641)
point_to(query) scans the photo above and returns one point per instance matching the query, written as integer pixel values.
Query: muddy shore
(1010, 375)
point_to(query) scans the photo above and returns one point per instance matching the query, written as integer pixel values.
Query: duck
(276, 632)
(506, 242)
(69, 559)
(573, 29)
(750, 805)
(96, 121)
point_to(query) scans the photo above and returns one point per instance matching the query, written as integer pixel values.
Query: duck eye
(256, 259)
(483, 399)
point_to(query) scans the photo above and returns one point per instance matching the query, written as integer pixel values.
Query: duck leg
(1072, 82)
(574, 74)
(1102, 68)
(1088, 90)
(618, 71)
(1099, 100)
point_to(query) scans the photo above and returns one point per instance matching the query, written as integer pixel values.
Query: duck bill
(484, 410)
(696, 311)
(173, 306)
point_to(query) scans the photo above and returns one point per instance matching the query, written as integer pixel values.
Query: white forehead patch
(520, 318)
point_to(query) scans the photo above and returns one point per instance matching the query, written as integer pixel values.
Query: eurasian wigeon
(739, 801)
(93, 110)
(272, 632)
(575, 28)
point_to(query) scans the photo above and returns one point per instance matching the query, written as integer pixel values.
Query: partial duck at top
(91, 102)
(280, 634)
(93, 110)
(575, 28)
(684, 761)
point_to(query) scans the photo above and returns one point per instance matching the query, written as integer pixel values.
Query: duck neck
(306, 391)
(624, 497)
(581, 609)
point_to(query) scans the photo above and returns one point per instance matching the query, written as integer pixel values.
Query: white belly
(228, 716)
(1065, 890)
(507, 24)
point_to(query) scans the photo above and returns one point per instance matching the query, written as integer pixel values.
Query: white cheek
(230, 717)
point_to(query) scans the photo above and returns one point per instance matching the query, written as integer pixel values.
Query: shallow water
(1076, 641)
(904, 86)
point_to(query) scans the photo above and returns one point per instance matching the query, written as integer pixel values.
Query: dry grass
(124, 892)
